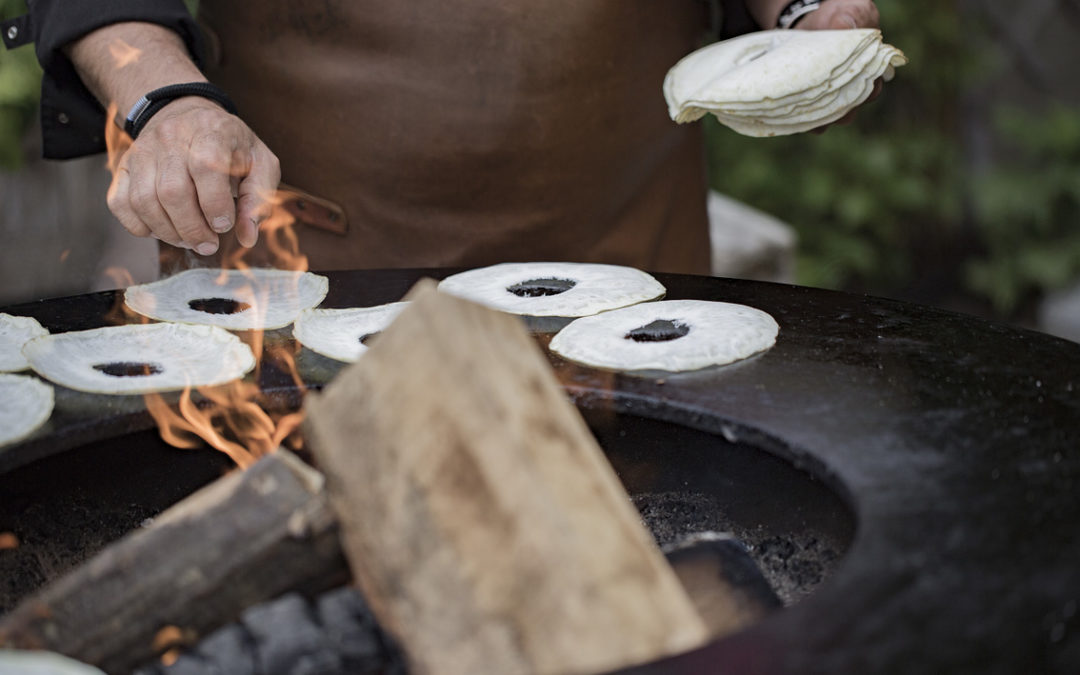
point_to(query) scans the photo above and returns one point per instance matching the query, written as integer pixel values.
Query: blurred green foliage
(20, 90)
(889, 205)
(1028, 209)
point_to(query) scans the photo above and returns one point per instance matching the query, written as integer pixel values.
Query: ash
(794, 563)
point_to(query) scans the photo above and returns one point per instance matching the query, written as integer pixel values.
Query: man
(424, 133)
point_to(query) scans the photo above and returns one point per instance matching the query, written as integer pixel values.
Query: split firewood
(243, 539)
(480, 518)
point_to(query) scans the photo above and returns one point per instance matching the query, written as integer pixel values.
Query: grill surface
(954, 442)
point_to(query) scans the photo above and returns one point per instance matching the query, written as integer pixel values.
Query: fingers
(211, 167)
(180, 180)
(120, 203)
(177, 196)
(255, 194)
(842, 15)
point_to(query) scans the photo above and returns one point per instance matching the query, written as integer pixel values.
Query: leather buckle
(313, 211)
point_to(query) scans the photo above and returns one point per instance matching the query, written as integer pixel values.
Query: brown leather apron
(470, 132)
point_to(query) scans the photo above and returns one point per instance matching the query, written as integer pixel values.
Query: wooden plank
(481, 520)
(245, 538)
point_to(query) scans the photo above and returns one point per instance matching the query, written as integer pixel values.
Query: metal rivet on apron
(63, 118)
(13, 32)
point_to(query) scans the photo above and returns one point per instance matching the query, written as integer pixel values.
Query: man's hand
(194, 172)
(841, 14)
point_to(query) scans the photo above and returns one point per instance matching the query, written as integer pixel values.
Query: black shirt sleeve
(72, 120)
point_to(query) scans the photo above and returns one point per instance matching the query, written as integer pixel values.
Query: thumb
(843, 22)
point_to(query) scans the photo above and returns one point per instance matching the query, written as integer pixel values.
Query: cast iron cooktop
(955, 442)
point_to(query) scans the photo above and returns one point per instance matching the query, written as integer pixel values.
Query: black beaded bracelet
(149, 105)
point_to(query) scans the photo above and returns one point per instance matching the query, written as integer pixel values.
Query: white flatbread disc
(15, 331)
(251, 299)
(140, 359)
(342, 333)
(554, 289)
(672, 335)
(25, 403)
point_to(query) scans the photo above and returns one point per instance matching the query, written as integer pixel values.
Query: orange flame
(117, 142)
(120, 313)
(8, 541)
(231, 417)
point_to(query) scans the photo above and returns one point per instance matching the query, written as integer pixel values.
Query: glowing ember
(8, 541)
(169, 639)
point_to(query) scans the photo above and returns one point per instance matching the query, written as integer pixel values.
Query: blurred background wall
(960, 187)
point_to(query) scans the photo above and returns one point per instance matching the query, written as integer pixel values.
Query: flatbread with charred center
(553, 288)
(251, 299)
(16, 331)
(140, 359)
(672, 335)
(27, 403)
(344, 334)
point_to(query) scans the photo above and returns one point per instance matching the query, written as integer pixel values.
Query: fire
(278, 236)
(117, 142)
(8, 541)
(233, 418)
(230, 420)
(229, 417)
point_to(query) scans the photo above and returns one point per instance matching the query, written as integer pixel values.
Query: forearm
(121, 62)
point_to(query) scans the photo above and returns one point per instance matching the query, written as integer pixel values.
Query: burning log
(481, 520)
(243, 539)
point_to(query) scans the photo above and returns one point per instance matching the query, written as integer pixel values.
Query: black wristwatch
(795, 10)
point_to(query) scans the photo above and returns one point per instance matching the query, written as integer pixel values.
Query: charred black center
(128, 368)
(368, 337)
(534, 288)
(661, 330)
(218, 305)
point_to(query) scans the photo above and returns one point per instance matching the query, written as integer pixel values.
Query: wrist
(795, 11)
(154, 101)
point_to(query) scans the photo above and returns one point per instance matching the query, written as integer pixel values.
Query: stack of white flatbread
(778, 82)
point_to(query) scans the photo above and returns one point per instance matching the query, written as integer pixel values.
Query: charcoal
(334, 634)
(226, 651)
(351, 628)
(288, 641)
